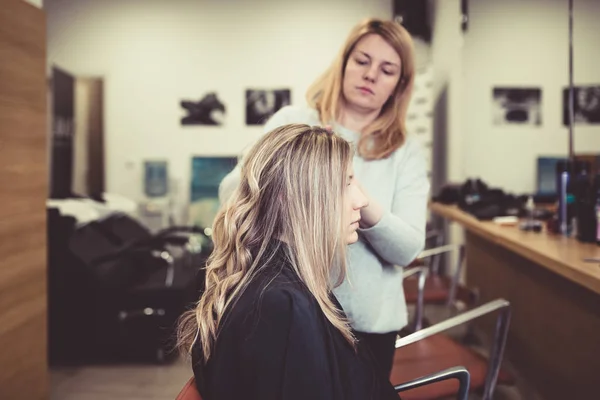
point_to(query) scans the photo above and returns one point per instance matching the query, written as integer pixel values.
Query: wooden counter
(559, 254)
(554, 335)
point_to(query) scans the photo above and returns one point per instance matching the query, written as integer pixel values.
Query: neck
(356, 119)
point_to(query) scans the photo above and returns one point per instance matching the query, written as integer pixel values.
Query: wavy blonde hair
(292, 187)
(388, 132)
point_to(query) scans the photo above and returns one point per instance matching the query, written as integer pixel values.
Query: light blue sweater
(372, 294)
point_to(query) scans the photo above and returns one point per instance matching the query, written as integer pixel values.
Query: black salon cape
(276, 344)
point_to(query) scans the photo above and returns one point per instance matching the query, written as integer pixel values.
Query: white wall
(524, 43)
(37, 3)
(153, 54)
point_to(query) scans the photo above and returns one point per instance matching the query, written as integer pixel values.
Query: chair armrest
(437, 236)
(159, 254)
(422, 277)
(149, 244)
(415, 270)
(180, 241)
(459, 373)
(432, 234)
(458, 270)
(436, 251)
(498, 345)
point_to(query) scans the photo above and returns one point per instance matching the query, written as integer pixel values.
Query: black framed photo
(586, 105)
(261, 104)
(517, 106)
(209, 110)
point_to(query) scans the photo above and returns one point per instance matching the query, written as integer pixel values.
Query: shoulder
(269, 314)
(412, 144)
(293, 114)
(285, 295)
(277, 299)
(411, 151)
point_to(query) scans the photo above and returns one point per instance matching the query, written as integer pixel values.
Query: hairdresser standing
(364, 96)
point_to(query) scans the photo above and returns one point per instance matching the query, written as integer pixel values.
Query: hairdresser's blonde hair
(388, 132)
(292, 186)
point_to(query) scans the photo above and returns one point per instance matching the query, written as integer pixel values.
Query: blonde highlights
(292, 187)
(388, 132)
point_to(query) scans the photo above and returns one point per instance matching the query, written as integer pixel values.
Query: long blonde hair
(292, 185)
(388, 132)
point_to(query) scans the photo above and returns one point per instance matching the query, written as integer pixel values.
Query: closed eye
(389, 69)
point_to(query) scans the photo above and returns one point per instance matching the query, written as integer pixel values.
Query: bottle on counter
(585, 210)
(569, 175)
(565, 195)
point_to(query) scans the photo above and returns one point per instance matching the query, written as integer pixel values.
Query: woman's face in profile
(354, 201)
(371, 73)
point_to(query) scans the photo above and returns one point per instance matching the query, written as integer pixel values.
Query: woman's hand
(372, 213)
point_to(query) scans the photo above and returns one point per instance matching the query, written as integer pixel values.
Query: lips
(365, 89)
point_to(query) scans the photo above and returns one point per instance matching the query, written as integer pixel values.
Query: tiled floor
(143, 382)
(127, 382)
(154, 382)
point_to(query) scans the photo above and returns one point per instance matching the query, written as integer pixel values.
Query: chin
(364, 103)
(352, 238)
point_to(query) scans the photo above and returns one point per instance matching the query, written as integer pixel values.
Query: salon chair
(425, 285)
(190, 392)
(428, 350)
(116, 290)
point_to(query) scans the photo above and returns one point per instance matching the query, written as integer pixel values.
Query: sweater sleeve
(399, 236)
(232, 180)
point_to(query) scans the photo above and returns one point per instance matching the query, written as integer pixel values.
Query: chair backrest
(87, 244)
(124, 229)
(189, 391)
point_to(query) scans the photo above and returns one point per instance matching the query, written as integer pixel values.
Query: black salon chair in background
(116, 290)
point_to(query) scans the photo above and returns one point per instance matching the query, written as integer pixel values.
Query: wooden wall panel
(23, 191)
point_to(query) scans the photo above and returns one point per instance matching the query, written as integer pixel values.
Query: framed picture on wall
(517, 106)
(207, 174)
(209, 110)
(586, 105)
(262, 104)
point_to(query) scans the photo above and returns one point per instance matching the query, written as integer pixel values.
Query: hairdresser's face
(354, 200)
(371, 74)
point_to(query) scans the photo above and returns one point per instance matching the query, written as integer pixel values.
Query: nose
(360, 200)
(370, 73)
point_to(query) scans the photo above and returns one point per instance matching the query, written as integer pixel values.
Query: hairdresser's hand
(372, 213)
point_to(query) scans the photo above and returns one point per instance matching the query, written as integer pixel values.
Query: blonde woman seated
(268, 327)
